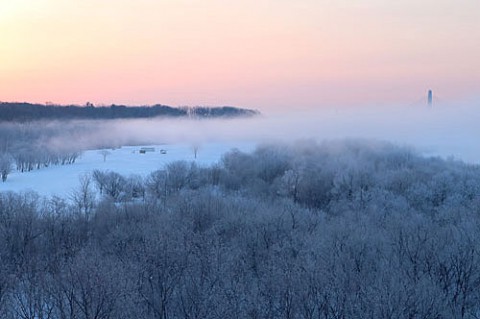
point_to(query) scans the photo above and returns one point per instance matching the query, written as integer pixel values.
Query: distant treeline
(28, 112)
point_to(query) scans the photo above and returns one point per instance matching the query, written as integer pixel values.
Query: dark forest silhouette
(15, 111)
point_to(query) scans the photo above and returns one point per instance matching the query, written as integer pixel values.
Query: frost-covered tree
(104, 154)
(6, 163)
(84, 197)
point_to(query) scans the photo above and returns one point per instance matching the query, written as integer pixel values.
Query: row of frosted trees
(29, 146)
(340, 230)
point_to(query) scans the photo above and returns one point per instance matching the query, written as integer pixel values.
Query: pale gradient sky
(264, 54)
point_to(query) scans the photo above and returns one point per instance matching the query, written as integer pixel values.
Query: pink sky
(264, 54)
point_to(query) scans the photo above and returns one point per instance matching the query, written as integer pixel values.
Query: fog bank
(448, 130)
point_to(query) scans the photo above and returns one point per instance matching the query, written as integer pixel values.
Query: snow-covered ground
(62, 181)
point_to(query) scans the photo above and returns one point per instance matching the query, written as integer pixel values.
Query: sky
(269, 55)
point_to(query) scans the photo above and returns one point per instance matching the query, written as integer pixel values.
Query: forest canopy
(349, 229)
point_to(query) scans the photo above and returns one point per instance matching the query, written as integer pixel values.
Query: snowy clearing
(62, 181)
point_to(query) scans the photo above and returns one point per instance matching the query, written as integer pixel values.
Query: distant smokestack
(430, 97)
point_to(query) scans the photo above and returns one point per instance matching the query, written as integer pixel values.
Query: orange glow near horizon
(265, 54)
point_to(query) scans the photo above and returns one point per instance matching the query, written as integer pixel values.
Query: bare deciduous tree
(104, 154)
(5, 166)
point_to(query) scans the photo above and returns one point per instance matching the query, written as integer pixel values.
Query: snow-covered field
(62, 181)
